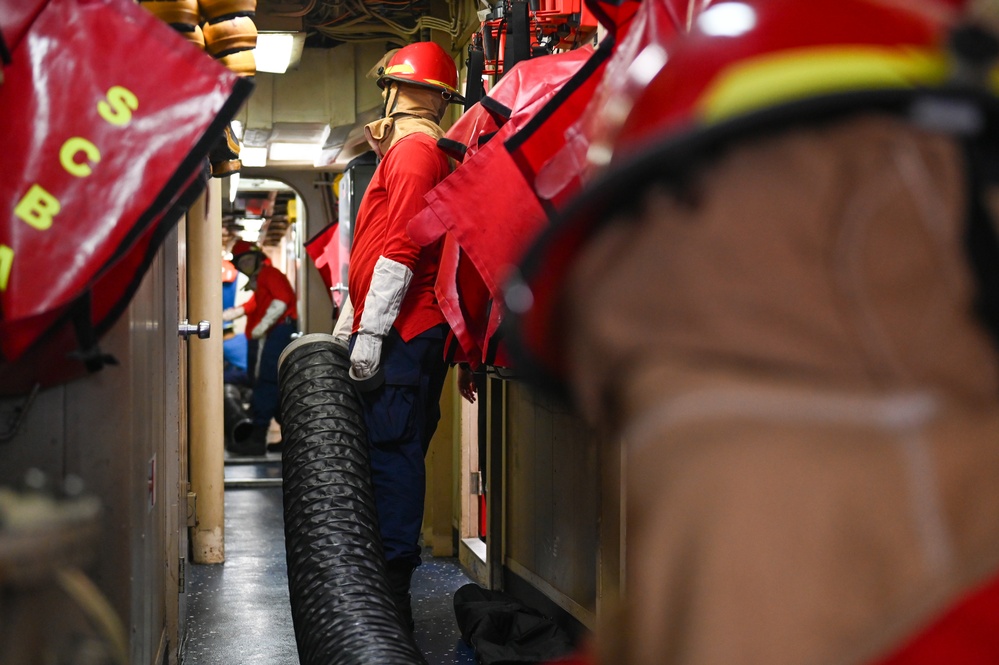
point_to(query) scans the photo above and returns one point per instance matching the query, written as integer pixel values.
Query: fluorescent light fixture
(728, 19)
(233, 186)
(263, 184)
(276, 52)
(253, 156)
(294, 152)
(251, 225)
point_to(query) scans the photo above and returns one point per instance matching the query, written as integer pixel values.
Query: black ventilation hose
(341, 603)
(238, 425)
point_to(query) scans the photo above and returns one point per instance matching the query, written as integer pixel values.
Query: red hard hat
(742, 57)
(229, 272)
(425, 64)
(242, 247)
(747, 67)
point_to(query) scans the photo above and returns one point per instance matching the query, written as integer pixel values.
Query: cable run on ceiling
(394, 21)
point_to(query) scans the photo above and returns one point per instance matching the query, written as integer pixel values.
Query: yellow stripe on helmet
(786, 76)
(441, 84)
(402, 68)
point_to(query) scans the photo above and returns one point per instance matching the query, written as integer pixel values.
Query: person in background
(395, 326)
(271, 319)
(234, 346)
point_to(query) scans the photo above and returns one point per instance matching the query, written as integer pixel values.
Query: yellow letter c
(69, 151)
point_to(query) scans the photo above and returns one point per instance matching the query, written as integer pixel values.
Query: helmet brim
(455, 96)
(533, 325)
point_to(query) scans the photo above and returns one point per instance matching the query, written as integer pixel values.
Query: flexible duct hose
(238, 426)
(341, 603)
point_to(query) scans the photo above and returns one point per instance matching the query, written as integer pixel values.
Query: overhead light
(253, 156)
(728, 19)
(294, 152)
(256, 137)
(263, 184)
(276, 52)
(251, 228)
(297, 132)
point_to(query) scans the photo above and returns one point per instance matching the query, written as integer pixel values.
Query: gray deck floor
(239, 613)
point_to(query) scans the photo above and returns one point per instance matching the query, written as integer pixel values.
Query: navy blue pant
(401, 417)
(264, 403)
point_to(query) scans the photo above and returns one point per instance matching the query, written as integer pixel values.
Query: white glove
(366, 357)
(344, 323)
(389, 283)
(232, 313)
(274, 312)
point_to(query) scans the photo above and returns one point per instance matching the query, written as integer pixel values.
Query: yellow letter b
(38, 208)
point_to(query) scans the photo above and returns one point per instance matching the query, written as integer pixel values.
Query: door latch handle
(203, 330)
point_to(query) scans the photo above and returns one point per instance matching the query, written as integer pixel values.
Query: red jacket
(271, 285)
(411, 168)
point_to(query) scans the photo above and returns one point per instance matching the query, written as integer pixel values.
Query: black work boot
(255, 444)
(400, 575)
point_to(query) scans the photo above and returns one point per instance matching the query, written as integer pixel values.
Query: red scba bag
(108, 116)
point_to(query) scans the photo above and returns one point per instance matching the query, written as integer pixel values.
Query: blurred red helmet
(425, 64)
(746, 67)
(247, 257)
(242, 247)
(743, 57)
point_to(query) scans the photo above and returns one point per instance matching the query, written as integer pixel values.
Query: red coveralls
(401, 415)
(271, 285)
(410, 169)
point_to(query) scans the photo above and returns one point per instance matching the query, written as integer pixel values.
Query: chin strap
(408, 110)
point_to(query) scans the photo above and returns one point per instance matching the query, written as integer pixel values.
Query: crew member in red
(790, 238)
(396, 327)
(271, 319)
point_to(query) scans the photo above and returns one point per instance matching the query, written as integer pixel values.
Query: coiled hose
(341, 604)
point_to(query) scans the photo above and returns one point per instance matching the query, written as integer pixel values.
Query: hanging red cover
(516, 97)
(482, 225)
(109, 115)
(524, 156)
(485, 207)
(552, 151)
(324, 250)
(463, 299)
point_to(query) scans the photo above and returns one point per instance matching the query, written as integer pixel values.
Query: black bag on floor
(501, 629)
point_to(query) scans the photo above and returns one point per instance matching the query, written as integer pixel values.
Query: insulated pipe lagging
(341, 603)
